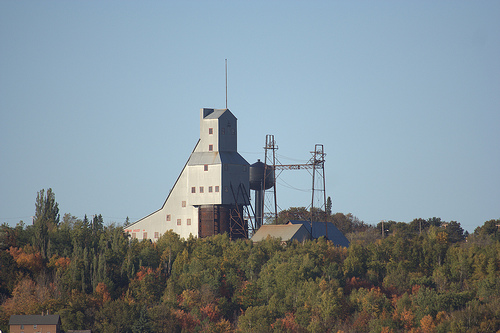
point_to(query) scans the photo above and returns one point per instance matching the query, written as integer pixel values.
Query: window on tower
(216, 188)
(193, 189)
(188, 221)
(210, 188)
(178, 221)
(210, 147)
(205, 167)
(210, 130)
(201, 189)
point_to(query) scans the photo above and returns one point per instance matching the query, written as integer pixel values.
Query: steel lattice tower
(316, 164)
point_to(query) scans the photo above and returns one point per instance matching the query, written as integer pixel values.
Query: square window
(145, 235)
(210, 188)
(210, 131)
(216, 188)
(178, 221)
(157, 234)
(201, 189)
(193, 189)
(183, 203)
(168, 217)
(210, 147)
(205, 167)
(188, 222)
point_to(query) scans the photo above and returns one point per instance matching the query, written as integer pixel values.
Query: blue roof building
(324, 229)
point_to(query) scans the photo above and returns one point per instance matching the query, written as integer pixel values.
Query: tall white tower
(209, 194)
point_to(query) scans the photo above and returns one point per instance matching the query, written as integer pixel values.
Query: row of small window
(222, 131)
(34, 327)
(202, 189)
(179, 221)
(145, 235)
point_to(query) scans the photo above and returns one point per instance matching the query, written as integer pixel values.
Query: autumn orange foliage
(27, 257)
(211, 311)
(287, 323)
(143, 272)
(427, 324)
(102, 291)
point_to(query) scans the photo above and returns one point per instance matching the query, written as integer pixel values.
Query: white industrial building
(212, 189)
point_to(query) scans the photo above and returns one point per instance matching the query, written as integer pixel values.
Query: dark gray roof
(34, 320)
(320, 229)
(217, 113)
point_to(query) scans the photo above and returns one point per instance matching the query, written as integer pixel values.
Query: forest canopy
(423, 276)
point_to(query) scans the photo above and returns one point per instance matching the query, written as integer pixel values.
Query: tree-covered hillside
(423, 276)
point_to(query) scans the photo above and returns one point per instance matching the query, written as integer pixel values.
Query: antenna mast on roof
(226, 84)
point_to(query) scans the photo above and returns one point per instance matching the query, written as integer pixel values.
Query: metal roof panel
(34, 320)
(284, 231)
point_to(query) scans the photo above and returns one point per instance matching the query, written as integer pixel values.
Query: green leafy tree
(293, 213)
(455, 232)
(46, 217)
(116, 316)
(490, 228)
(142, 324)
(256, 320)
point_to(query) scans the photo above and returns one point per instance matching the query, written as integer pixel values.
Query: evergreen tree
(328, 208)
(142, 325)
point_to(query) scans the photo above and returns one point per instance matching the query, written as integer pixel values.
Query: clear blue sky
(100, 100)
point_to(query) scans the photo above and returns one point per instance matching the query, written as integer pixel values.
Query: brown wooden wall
(216, 219)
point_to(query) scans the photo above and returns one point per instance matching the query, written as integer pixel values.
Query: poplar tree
(46, 218)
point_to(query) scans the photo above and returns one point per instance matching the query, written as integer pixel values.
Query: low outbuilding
(287, 232)
(35, 324)
(301, 231)
(324, 229)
